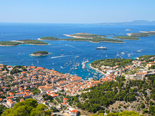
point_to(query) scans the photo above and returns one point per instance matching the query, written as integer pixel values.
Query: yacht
(101, 48)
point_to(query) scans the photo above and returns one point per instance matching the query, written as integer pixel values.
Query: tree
(2, 108)
(29, 107)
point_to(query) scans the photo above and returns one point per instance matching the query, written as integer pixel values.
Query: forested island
(18, 42)
(32, 42)
(126, 37)
(142, 34)
(84, 37)
(48, 38)
(8, 43)
(40, 53)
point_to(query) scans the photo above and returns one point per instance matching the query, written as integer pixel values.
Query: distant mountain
(135, 22)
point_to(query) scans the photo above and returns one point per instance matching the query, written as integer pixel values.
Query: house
(22, 100)
(10, 103)
(44, 89)
(10, 97)
(73, 112)
(20, 94)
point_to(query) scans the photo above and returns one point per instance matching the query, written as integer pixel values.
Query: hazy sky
(76, 11)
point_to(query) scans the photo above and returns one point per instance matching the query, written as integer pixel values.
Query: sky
(76, 11)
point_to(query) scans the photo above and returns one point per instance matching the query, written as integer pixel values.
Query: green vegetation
(2, 109)
(35, 42)
(34, 90)
(152, 67)
(85, 37)
(49, 38)
(147, 58)
(140, 35)
(95, 39)
(104, 95)
(8, 43)
(126, 37)
(112, 62)
(28, 41)
(41, 52)
(146, 34)
(47, 97)
(29, 107)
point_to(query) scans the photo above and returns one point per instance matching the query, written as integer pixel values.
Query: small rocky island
(40, 53)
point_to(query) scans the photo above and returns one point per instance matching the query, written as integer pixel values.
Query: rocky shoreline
(40, 54)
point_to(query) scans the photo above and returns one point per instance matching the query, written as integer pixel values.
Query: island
(84, 37)
(9, 43)
(40, 53)
(126, 37)
(32, 42)
(48, 38)
(18, 42)
(142, 34)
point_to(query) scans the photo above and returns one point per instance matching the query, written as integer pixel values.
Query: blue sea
(67, 56)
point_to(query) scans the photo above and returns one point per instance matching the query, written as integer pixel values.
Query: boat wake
(60, 56)
(74, 47)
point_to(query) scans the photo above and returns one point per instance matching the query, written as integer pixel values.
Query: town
(18, 83)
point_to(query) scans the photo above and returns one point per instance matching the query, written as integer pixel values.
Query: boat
(122, 53)
(128, 30)
(101, 48)
(139, 50)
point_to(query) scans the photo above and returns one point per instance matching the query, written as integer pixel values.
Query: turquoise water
(67, 56)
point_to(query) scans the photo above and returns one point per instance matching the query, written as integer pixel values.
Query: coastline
(8, 45)
(97, 70)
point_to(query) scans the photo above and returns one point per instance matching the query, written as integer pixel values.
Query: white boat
(139, 50)
(101, 48)
(122, 53)
(61, 67)
(128, 30)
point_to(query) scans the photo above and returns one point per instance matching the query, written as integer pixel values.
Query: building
(10, 103)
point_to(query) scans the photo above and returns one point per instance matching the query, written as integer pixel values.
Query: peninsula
(40, 53)
(84, 37)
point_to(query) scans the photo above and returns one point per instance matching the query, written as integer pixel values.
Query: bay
(67, 56)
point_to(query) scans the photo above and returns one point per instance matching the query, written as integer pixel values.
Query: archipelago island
(26, 41)
(40, 53)
(8, 43)
(84, 37)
